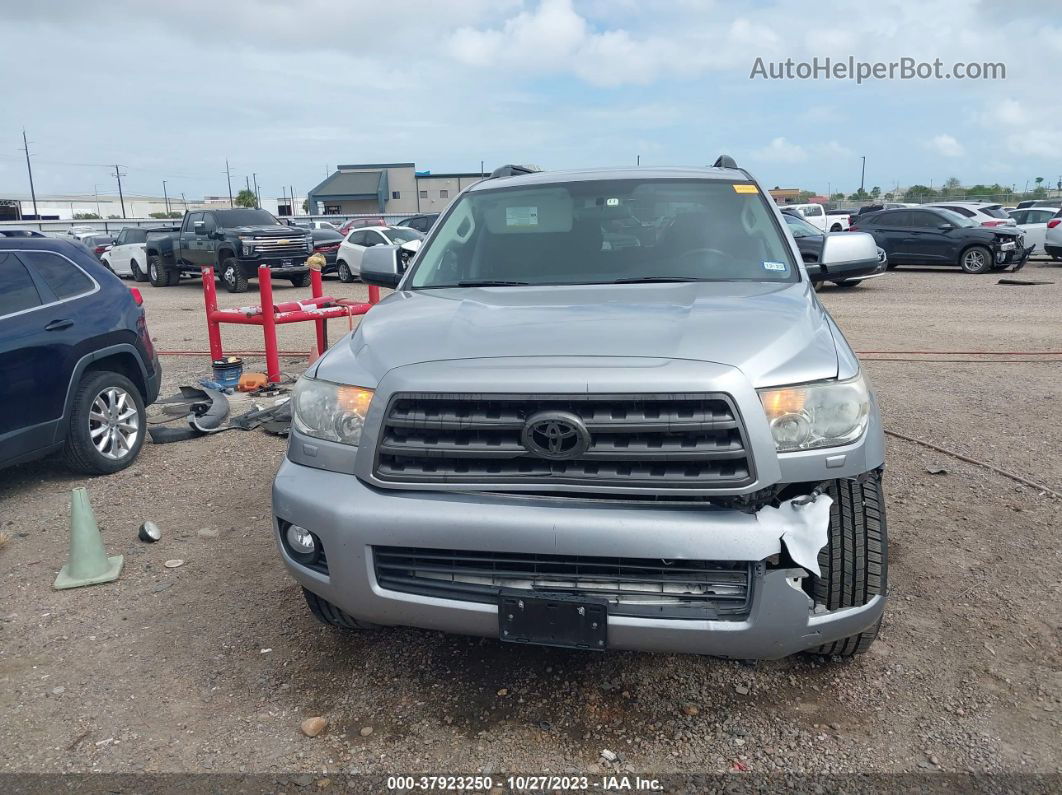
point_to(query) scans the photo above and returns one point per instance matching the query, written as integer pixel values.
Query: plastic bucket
(227, 371)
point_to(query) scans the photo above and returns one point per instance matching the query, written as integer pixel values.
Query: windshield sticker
(521, 216)
(774, 266)
(741, 188)
(612, 202)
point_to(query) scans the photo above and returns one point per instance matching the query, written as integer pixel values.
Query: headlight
(823, 414)
(248, 249)
(333, 412)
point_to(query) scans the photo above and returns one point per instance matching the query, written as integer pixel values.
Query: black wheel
(854, 562)
(232, 276)
(848, 283)
(107, 424)
(300, 281)
(107, 264)
(157, 273)
(835, 228)
(343, 270)
(976, 259)
(138, 275)
(327, 613)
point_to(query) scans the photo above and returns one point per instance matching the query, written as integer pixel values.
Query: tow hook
(807, 499)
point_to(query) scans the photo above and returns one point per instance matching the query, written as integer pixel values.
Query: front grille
(688, 589)
(657, 440)
(272, 247)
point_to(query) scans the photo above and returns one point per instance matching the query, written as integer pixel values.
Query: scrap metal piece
(210, 420)
(804, 528)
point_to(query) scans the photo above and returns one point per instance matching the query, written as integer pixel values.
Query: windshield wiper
(634, 279)
(489, 283)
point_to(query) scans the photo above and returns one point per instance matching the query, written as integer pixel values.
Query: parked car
(422, 223)
(1053, 237)
(668, 447)
(15, 231)
(983, 214)
(810, 241)
(80, 232)
(359, 223)
(314, 225)
(348, 258)
(235, 242)
(1037, 203)
(128, 256)
(1032, 221)
(935, 236)
(78, 363)
(326, 243)
(98, 244)
(816, 215)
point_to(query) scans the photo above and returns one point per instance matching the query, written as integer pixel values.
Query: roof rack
(511, 170)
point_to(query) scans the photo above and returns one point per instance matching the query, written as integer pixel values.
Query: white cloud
(779, 150)
(1045, 143)
(946, 145)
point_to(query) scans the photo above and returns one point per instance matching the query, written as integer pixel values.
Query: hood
(271, 230)
(774, 333)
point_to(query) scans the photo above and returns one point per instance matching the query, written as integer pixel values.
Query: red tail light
(851, 220)
(137, 296)
(993, 223)
(1054, 222)
(101, 249)
(327, 247)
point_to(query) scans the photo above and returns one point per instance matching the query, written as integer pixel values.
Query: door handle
(59, 325)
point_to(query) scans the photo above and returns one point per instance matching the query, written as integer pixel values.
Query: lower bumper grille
(641, 587)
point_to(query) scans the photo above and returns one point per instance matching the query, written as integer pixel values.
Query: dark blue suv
(77, 366)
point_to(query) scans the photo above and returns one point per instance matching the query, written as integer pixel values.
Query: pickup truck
(235, 242)
(821, 218)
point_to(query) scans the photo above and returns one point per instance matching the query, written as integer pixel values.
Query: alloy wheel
(114, 423)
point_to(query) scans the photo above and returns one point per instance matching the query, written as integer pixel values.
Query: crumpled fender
(804, 528)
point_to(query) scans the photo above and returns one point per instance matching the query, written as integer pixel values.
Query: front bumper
(782, 620)
(286, 266)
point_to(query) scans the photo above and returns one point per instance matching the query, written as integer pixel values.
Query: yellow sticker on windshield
(743, 188)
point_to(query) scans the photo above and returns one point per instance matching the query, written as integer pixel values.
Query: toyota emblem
(555, 435)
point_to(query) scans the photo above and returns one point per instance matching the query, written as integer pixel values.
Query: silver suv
(602, 409)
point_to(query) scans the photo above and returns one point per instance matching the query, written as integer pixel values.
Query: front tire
(835, 228)
(976, 259)
(138, 275)
(157, 273)
(343, 271)
(232, 277)
(848, 283)
(107, 424)
(300, 281)
(854, 562)
(327, 613)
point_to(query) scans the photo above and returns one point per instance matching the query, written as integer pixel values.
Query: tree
(171, 214)
(86, 217)
(875, 192)
(1039, 181)
(306, 205)
(837, 196)
(246, 198)
(859, 195)
(920, 193)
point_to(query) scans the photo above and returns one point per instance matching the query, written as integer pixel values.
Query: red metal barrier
(319, 308)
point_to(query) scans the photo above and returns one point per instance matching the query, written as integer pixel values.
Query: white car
(127, 256)
(1033, 222)
(81, 232)
(978, 212)
(348, 258)
(316, 225)
(816, 215)
(1053, 237)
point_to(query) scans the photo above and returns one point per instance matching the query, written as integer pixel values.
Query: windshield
(801, 228)
(953, 217)
(227, 219)
(995, 210)
(608, 231)
(402, 235)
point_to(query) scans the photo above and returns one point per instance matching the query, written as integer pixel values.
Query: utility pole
(481, 168)
(291, 193)
(118, 176)
(96, 193)
(257, 195)
(184, 202)
(863, 175)
(29, 169)
(165, 197)
(228, 178)
(638, 160)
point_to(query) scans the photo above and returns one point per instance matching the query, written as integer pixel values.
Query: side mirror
(199, 227)
(382, 266)
(848, 249)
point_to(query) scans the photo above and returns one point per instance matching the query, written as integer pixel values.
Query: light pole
(863, 175)
(165, 197)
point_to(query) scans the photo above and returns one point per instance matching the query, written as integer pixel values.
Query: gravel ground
(214, 665)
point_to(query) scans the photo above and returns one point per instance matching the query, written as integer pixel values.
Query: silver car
(666, 446)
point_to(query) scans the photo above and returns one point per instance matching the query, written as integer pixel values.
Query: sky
(287, 90)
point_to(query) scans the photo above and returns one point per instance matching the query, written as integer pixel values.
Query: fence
(115, 225)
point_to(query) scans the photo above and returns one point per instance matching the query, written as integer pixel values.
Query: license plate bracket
(562, 620)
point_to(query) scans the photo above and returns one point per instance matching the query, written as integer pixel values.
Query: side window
(814, 211)
(372, 239)
(121, 239)
(1039, 216)
(64, 278)
(17, 291)
(357, 238)
(961, 211)
(189, 221)
(136, 236)
(1020, 216)
(209, 223)
(895, 218)
(920, 219)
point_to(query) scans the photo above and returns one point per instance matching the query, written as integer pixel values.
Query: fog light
(301, 540)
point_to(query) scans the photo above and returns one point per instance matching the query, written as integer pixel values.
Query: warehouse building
(388, 188)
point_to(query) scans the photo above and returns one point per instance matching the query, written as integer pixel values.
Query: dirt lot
(213, 665)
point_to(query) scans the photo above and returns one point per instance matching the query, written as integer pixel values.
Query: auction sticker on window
(521, 216)
(774, 266)
(740, 187)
